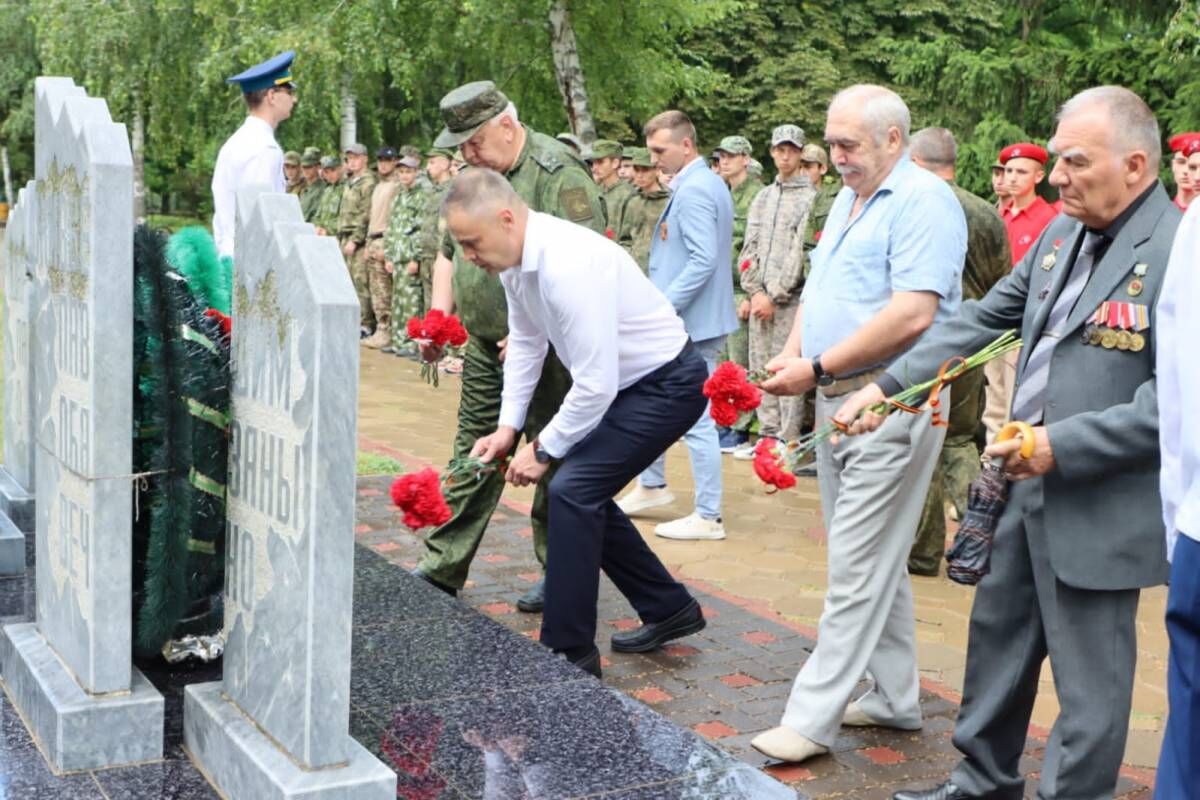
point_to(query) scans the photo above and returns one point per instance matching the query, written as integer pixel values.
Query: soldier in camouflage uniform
(330, 206)
(379, 276)
(733, 154)
(352, 229)
(429, 236)
(552, 179)
(988, 260)
(402, 250)
(814, 161)
(314, 185)
(291, 172)
(605, 160)
(643, 210)
(773, 254)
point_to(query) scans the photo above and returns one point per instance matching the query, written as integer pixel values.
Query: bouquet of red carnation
(769, 463)
(438, 329)
(730, 393)
(419, 496)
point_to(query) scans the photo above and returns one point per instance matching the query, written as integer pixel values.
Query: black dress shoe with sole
(947, 791)
(652, 635)
(534, 600)
(416, 573)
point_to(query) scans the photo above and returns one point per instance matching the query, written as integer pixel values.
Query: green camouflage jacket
(743, 196)
(355, 212)
(774, 245)
(988, 257)
(823, 202)
(615, 197)
(401, 244)
(310, 199)
(429, 235)
(640, 222)
(330, 207)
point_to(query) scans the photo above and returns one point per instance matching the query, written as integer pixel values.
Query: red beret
(1182, 141)
(1192, 147)
(1024, 150)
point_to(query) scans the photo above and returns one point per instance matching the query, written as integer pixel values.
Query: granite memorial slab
(277, 725)
(70, 673)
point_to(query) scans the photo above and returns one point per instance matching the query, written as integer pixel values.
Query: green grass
(375, 464)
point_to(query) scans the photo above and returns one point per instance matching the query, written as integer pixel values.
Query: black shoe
(417, 573)
(589, 662)
(651, 635)
(947, 791)
(534, 600)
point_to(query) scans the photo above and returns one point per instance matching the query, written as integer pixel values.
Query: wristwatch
(539, 453)
(823, 377)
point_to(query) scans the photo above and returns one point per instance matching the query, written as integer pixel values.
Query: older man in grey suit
(1079, 537)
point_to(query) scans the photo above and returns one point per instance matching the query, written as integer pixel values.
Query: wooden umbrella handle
(1012, 430)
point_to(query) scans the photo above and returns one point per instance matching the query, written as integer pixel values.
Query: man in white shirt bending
(637, 387)
(251, 155)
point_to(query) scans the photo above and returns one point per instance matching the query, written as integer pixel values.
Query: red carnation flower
(222, 319)
(768, 468)
(419, 496)
(437, 328)
(414, 328)
(731, 393)
(609, 233)
(745, 265)
(817, 236)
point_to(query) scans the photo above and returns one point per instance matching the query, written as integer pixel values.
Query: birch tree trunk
(349, 128)
(138, 145)
(8, 190)
(569, 72)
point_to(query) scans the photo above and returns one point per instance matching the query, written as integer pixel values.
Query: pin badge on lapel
(663, 232)
(1051, 259)
(1136, 286)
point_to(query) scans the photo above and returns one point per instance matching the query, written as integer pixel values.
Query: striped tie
(1029, 403)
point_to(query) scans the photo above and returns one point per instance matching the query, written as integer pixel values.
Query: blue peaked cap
(273, 72)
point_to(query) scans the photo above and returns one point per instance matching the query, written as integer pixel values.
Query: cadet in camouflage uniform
(549, 177)
(330, 206)
(352, 229)
(642, 211)
(773, 253)
(429, 236)
(734, 160)
(988, 260)
(379, 276)
(402, 249)
(291, 172)
(604, 158)
(814, 161)
(314, 185)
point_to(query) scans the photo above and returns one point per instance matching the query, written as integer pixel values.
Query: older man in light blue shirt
(887, 267)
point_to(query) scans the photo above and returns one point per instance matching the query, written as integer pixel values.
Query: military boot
(381, 338)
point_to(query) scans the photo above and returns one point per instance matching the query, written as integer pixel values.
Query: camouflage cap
(605, 148)
(330, 162)
(410, 161)
(311, 157)
(444, 152)
(640, 156)
(356, 149)
(814, 154)
(735, 145)
(754, 169)
(629, 152)
(291, 158)
(410, 150)
(465, 109)
(788, 134)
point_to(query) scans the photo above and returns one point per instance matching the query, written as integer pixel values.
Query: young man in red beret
(1185, 189)
(1026, 214)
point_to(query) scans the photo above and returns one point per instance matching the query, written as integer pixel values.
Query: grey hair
(1133, 124)
(935, 147)
(509, 111)
(478, 190)
(881, 109)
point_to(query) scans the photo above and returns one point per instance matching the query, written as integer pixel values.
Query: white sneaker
(745, 452)
(693, 526)
(642, 499)
(855, 717)
(786, 744)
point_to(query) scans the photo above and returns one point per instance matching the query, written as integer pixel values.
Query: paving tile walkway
(765, 583)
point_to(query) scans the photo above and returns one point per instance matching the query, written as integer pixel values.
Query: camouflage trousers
(379, 283)
(778, 417)
(737, 350)
(451, 548)
(957, 467)
(356, 265)
(407, 302)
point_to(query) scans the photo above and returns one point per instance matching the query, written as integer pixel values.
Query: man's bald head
(936, 150)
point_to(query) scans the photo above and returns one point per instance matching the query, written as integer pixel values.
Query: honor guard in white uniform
(251, 154)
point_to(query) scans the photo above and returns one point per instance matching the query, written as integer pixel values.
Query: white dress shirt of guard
(250, 156)
(608, 323)
(1179, 383)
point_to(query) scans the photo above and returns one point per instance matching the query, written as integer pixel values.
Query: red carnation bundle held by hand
(419, 496)
(437, 329)
(769, 465)
(731, 393)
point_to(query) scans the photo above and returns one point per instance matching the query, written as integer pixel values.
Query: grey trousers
(873, 489)
(1023, 613)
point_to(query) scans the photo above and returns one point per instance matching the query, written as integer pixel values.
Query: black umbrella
(970, 557)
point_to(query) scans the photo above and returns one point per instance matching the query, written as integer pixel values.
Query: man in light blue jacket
(689, 255)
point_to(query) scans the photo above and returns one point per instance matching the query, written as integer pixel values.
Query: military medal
(1137, 343)
(1135, 286)
(1096, 334)
(1108, 340)
(1124, 340)
(1048, 261)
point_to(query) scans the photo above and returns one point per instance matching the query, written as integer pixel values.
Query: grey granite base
(240, 761)
(12, 549)
(15, 502)
(77, 730)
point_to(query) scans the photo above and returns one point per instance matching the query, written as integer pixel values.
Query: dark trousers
(1022, 614)
(1179, 764)
(588, 533)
